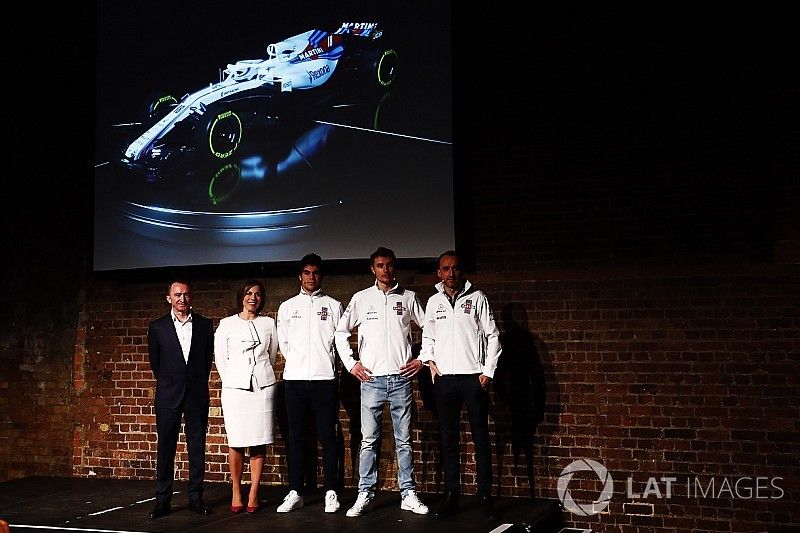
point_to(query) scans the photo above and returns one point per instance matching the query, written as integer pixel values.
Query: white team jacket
(245, 348)
(464, 339)
(305, 333)
(384, 329)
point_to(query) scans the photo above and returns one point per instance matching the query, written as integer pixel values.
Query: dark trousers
(302, 397)
(453, 391)
(168, 425)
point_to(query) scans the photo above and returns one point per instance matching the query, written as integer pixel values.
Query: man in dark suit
(181, 346)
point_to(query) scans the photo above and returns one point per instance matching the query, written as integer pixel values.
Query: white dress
(245, 352)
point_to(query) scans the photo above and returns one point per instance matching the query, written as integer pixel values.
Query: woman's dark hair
(246, 286)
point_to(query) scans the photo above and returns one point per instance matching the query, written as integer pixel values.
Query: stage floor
(117, 505)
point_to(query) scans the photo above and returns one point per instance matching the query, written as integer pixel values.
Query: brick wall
(685, 373)
(40, 300)
(35, 395)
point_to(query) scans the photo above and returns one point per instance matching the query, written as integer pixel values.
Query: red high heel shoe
(236, 509)
(252, 510)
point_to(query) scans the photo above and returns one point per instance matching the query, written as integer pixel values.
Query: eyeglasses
(255, 340)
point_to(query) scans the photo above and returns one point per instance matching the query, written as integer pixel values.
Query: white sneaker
(362, 504)
(331, 502)
(291, 502)
(412, 503)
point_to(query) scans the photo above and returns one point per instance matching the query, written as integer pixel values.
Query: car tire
(221, 133)
(224, 183)
(385, 68)
(159, 105)
(373, 70)
(379, 68)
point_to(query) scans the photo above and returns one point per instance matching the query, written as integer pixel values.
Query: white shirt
(461, 339)
(384, 329)
(306, 324)
(245, 351)
(184, 331)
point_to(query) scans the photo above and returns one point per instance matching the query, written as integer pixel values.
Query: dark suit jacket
(175, 378)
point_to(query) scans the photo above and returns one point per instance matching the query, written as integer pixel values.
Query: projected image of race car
(277, 148)
(298, 74)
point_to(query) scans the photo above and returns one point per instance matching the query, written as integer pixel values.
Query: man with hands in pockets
(461, 345)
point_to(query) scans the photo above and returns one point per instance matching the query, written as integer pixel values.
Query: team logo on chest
(467, 306)
(323, 313)
(398, 307)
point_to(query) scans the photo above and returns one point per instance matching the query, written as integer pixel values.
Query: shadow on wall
(431, 468)
(350, 398)
(521, 391)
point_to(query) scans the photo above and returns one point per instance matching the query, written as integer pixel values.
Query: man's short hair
(382, 252)
(310, 260)
(448, 253)
(177, 280)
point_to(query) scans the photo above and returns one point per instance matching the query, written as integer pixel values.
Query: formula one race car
(213, 119)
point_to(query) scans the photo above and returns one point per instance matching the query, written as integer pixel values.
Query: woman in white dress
(245, 348)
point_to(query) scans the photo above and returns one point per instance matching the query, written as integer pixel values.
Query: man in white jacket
(306, 324)
(383, 314)
(461, 345)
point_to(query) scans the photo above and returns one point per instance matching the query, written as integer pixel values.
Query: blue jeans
(396, 391)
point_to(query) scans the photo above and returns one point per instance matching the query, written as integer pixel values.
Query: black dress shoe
(449, 507)
(199, 507)
(161, 509)
(488, 508)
